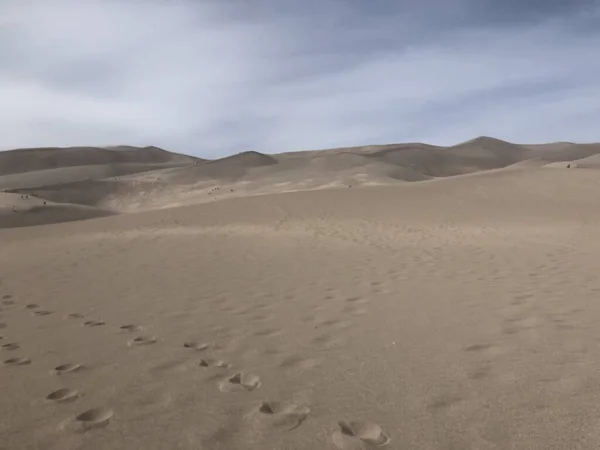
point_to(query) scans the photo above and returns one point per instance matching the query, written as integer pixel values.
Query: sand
(452, 313)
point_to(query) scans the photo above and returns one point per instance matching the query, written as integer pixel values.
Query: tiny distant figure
(14, 209)
(568, 166)
(349, 185)
(44, 203)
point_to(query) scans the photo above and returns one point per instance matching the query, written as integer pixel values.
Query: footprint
(351, 309)
(240, 380)
(143, 340)
(75, 316)
(2, 325)
(510, 330)
(11, 346)
(333, 323)
(299, 362)
(260, 317)
(287, 415)
(214, 363)
(520, 299)
(480, 348)
(32, 306)
(196, 346)
(94, 323)
(8, 302)
(352, 434)
(357, 301)
(443, 401)
(67, 368)
(328, 340)
(222, 364)
(63, 395)
(17, 361)
(477, 348)
(95, 418)
(130, 327)
(6, 296)
(42, 312)
(269, 332)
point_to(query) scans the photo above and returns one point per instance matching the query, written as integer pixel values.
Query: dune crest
(89, 182)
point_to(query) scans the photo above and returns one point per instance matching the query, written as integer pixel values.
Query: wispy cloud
(216, 77)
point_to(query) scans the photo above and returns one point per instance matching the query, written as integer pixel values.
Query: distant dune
(129, 179)
(35, 159)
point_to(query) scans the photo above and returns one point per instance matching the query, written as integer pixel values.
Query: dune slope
(127, 179)
(459, 312)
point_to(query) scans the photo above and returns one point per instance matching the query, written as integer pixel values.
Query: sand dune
(17, 210)
(563, 151)
(48, 214)
(592, 162)
(71, 181)
(396, 296)
(454, 313)
(52, 177)
(138, 186)
(33, 159)
(149, 178)
(29, 170)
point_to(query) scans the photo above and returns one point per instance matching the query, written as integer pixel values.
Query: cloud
(217, 77)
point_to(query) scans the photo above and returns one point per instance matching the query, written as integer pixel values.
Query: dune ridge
(126, 179)
(32, 159)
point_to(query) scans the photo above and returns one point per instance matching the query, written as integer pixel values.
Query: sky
(216, 77)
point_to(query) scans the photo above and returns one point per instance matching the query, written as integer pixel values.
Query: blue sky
(217, 77)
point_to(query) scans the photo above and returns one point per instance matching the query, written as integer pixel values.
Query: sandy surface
(459, 313)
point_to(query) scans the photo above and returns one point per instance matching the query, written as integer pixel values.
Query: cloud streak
(212, 78)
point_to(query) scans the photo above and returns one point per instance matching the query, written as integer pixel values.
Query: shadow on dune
(49, 214)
